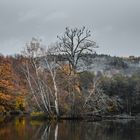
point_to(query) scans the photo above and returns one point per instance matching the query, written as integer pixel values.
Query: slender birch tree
(36, 70)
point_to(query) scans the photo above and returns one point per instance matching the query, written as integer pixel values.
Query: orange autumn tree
(6, 85)
(9, 87)
(17, 63)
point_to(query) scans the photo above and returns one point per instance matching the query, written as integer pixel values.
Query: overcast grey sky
(115, 24)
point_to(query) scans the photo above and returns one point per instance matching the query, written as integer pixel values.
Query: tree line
(37, 81)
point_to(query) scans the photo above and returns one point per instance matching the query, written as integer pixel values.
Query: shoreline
(92, 118)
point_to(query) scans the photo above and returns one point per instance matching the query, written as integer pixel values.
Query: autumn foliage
(12, 90)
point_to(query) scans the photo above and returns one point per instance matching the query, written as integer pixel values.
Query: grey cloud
(114, 23)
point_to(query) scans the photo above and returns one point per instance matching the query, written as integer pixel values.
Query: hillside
(109, 65)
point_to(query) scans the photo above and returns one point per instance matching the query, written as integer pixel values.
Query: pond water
(26, 129)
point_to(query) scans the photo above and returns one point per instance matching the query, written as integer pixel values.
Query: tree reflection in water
(46, 132)
(26, 129)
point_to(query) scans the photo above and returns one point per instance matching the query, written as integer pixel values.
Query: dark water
(26, 129)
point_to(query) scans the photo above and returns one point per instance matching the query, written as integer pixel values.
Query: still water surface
(26, 129)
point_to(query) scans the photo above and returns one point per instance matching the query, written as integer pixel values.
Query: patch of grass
(39, 116)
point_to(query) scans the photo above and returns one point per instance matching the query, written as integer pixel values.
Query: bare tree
(97, 100)
(36, 77)
(74, 43)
